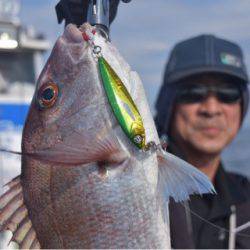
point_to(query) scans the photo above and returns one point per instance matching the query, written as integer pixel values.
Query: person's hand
(76, 11)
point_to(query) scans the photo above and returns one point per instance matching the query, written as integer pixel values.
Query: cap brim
(177, 76)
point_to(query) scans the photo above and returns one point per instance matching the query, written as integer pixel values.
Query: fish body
(83, 183)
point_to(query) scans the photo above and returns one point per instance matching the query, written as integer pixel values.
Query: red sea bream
(83, 183)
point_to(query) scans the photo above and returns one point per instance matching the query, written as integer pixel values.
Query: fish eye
(47, 95)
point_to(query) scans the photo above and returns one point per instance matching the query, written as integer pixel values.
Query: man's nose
(210, 107)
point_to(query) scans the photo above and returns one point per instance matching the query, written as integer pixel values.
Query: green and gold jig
(122, 104)
(119, 98)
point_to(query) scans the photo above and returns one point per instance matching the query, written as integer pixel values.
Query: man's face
(209, 124)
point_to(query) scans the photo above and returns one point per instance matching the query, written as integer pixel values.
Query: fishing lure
(120, 100)
(122, 104)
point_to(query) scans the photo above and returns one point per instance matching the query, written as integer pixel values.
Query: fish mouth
(72, 34)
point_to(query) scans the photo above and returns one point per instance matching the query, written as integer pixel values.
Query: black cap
(205, 54)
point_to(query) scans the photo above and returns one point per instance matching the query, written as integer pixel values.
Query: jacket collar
(228, 194)
(229, 191)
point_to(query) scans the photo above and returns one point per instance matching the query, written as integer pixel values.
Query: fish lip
(72, 34)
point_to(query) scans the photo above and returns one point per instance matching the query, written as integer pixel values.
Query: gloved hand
(76, 11)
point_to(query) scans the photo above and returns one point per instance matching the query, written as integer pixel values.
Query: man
(200, 108)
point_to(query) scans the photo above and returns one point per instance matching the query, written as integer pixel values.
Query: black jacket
(188, 228)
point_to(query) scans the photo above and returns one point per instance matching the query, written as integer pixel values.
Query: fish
(84, 183)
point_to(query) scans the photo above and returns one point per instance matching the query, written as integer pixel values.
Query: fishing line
(211, 223)
(11, 152)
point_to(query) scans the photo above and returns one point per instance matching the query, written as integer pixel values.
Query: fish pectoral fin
(14, 216)
(178, 179)
(83, 148)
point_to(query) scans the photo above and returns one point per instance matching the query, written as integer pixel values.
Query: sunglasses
(195, 93)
